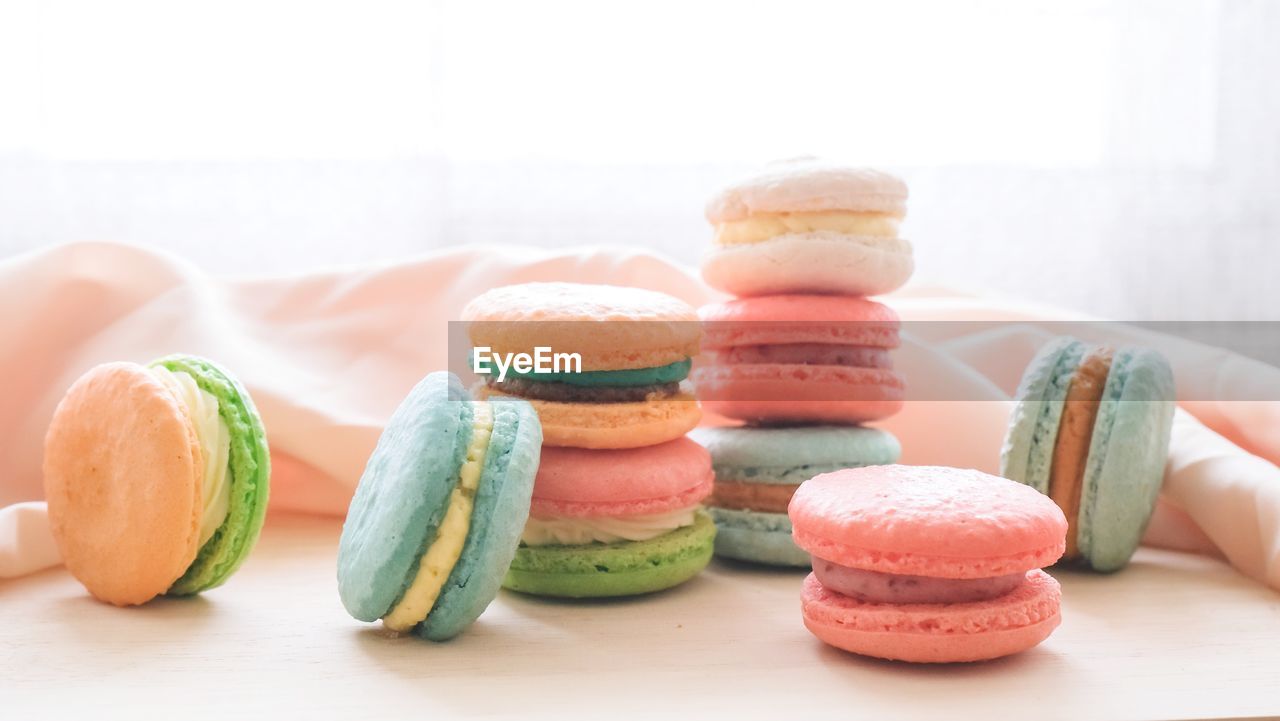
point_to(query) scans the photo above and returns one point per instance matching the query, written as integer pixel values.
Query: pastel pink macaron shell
(927, 521)
(585, 483)
(776, 392)
(779, 319)
(935, 633)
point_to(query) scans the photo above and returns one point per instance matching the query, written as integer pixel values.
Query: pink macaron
(928, 564)
(799, 359)
(583, 483)
(607, 523)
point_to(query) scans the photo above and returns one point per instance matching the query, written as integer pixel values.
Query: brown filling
(1071, 452)
(806, 354)
(566, 393)
(762, 497)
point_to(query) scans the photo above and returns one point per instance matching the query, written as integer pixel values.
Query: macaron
(633, 349)
(799, 359)
(156, 478)
(438, 512)
(616, 522)
(928, 564)
(1091, 429)
(809, 227)
(758, 470)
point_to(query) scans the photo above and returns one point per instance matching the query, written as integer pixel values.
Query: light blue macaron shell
(757, 537)
(402, 495)
(1027, 453)
(794, 455)
(1127, 454)
(497, 520)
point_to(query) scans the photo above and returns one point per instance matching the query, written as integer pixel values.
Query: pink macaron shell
(935, 633)
(774, 393)
(584, 483)
(786, 319)
(927, 521)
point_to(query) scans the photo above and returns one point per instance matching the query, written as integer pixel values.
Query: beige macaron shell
(610, 327)
(807, 187)
(811, 263)
(122, 472)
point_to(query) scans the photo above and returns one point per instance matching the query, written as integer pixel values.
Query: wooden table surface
(1173, 636)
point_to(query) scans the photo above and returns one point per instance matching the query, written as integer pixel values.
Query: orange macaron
(626, 352)
(156, 478)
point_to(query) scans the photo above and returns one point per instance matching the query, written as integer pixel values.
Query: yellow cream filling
(762, 227)
(445, 549)
(214, 440)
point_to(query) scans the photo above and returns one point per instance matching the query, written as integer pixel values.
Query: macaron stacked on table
(616, 505)
(801, 245)
(156, 478)
(1091, 429)
(439, 509)
(928, 564)
(758, 469)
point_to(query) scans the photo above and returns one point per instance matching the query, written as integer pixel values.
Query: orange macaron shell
(935, 633)
(122, 477)
(609, 327)
(610, 425)
(581, 483)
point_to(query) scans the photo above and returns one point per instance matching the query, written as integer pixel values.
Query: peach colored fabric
(328, 355)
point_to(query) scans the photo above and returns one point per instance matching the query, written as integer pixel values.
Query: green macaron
(249, 463)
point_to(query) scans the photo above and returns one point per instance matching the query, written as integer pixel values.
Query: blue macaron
(437, 516)
(757, 470)
(1091, 429)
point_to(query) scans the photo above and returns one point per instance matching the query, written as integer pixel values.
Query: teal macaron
(758, 469)
(1090, 428)
(437, 515)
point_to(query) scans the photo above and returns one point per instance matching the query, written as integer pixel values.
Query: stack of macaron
(616, 505)
(1091, 430)
(802, 356)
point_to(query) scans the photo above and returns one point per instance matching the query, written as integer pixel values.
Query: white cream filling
(215, 446)
(564, 531)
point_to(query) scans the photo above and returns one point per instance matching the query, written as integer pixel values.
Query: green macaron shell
(1127, 455)
(249, 475)
(757, 537)
(1027, 453)
(670, 373)
(403, 495)
(498, 517)
(600, 570)
(790, 456)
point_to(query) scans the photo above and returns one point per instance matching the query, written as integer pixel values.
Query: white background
(1116, 157)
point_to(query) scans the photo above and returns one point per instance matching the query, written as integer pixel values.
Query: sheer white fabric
(1117, 157)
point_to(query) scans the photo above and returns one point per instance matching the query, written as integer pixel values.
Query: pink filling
(825, 354)
(875, 587)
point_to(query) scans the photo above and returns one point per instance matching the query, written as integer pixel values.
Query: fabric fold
(327, 356)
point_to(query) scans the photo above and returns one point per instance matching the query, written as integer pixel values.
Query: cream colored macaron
(805, 226)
